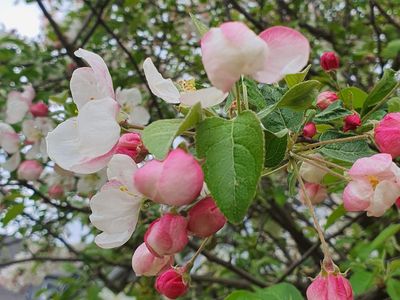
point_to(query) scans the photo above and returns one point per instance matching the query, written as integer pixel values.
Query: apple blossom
(35, 132)
(84, 144)
(311, 173)
(205, 218)
(232, 50)
(130, 101)
(330, 287)
(131, 144)
(325, 99)
(29, 170)
(167, 235)
(387, 134)
(9, 139)
(171, 283)
(18, 104)
(374, 185)
(115, 208)
(166, 90)
(315, 192)
(39, 109)
(89, 183)
(329, 61)
(351, 122)
(144, 263)
(309, 130)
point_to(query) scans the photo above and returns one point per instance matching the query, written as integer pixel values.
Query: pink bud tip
(56, 191)
(167, 235)
(144, 263)
(351, 122)
(387, 134)
(325, 99)
(329, 61)
(309, 130)
(330, 287)
(39, 109)
(131, 144)
(29, 170)
(315, 192)
(205, 218)
(170, 283)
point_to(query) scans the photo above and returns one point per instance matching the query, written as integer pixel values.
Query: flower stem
(190, 263)
(327, 162)
(327, 142)
(266, 173)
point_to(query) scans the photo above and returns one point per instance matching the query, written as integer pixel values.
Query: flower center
(187, 85)
(373, 181)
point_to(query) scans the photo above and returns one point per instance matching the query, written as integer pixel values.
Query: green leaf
(255, 95)
(300, 96)
(336, 214)
(283, 119)
(293, 79)
(159, 135)
(275, 149)
(393, 288)
(234, 153)
(353, 97)
(243, 295)
(201, 28)
(281, 291)
(361, 281)
(394, 104)
(392, 49)
(348, 151)
(380, 240)
(12, 213)
(381, 90)
(332, 112)
(60, 98)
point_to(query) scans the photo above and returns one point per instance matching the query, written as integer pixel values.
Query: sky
(25, 18)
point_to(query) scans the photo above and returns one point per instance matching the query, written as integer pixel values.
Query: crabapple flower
(325, 99)
(131, 144)
(18, 104)
(311, 173)
(84, 144)
(115, 208)
(309, 130)
(144, 263)
(29, 170)
(130, 101)
(171, 283)
(89, 183)
(232, 50)
(167, 235)
(330, 287)
(351, 122)
(35, 132)
(374, 185)
(387, 134)
(176, 181)
(9, 139)
(205, 218)
(315, 192)
(166, 89)
(329, 61)
(39, 109)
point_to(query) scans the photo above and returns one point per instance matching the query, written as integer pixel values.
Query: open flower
(166, 90)
(232, 50)
(18, 104)
(35, 132)
(84, 144)
(115, 208)
(130, 101)
(374, 187)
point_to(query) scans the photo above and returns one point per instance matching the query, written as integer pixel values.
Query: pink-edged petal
(93, 165)
(100, 71)
(386, 194)
(207, 97)
(159, 86)
(357, 195)
(230, 51)
(379, 165)
(288, 52)
(17, 107)
(28, 93)
(122, 168)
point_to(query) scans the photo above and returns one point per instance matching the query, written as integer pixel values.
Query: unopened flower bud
(29, 170)
(387, 134)
(167, 235)
(312, 173)
(131, 144)
(325, 99)
(309, 130)
(330, 287)
(351, 122)
(56, 191)
(39, 109)
(171, 283)
(329, 61)
(315, 192)
(144, 263)
(205, 218)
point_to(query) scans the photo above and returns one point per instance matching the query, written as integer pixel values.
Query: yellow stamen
(187, 85)
(373, 180)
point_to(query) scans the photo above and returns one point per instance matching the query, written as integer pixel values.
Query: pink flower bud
(316, 192)
(144, 263)
(387, 134)
(167, 235)
(351, 122)
(131, 144)
(309, 130)
(330, 287)
(39, 109)
(329, 61)
(56, 191)
(205, 218)
(398, 202)
(177, 180)
(29, 170)
(325, 99)
(170, 283)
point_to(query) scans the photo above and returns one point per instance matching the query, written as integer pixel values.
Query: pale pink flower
(144, 263)
(387, 134)
(18, 104)
(330, 287)
(374, 187)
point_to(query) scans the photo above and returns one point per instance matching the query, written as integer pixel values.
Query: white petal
(12, 163)
(9, 139)
(163, 88)
(17, 107)
(139, 115)
(122, 168)
(107, 241)
(386, 194)
(131, 96)
(207, 97)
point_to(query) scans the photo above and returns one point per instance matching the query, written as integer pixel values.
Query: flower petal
(12, 163)
(159, 86)
(357, 195)
(139, 115)
(207, 97)
(288, 53)
(386, 194)
(379, 165)
(9, 139)
(131, 96)
(17, 107)
(122, 168)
